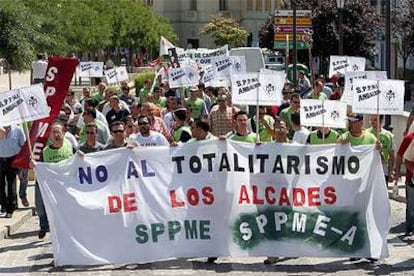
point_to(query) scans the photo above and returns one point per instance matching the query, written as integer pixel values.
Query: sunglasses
(90, 132)
(295, 102)
(142, 124)
(118, 131)
(130, 126)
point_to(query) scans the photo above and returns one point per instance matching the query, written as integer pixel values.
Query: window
(222, 5)
(249, 5)
(259, 5)
(193, 5)
(269, 5)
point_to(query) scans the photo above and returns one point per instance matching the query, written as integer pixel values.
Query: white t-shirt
(39, 68)
(153, 140)
(301, 136)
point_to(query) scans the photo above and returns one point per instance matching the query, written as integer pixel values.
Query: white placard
(91, 69)
(117, 74)
(23, 105)
(342, 64)
(319, 113)
(350, 76)
(378, 97)
(183, 77)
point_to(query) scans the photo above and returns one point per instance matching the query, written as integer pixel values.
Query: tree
(225, 30)
(403, 31)
(19, 36)
(266, 34)
(360, 25)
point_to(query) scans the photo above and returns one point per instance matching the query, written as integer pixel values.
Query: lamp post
(340, 5)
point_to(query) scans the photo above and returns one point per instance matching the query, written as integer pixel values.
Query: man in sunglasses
(118, 137)
(147, 137)
(91, 144)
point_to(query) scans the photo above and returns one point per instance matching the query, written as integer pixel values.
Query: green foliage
(403, 32)
(142, 77)
(60, 27)
(225, 30)
(18, 35)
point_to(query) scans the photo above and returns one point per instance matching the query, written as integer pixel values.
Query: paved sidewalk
(8, 226)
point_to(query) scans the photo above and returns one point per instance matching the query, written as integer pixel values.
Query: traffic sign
(303, 13)
(282, 36)
(300, 45)
(289, 29)
(289, 21)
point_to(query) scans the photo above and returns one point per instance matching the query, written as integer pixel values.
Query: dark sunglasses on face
(118, 131)
(90, 132)
(142, 123)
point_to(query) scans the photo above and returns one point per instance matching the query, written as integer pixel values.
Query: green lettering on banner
(335, 230)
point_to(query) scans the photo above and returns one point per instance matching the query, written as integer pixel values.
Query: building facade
(188, 16)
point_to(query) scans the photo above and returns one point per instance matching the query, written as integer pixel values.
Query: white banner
(182, 77)
(320, 113)
(165, 44)
(350, 76)
(23, 105)
(342, 64)
(209, 76)
(382, 97)
(235, 199)
(91, 69)
(223, 67)
(117, 74)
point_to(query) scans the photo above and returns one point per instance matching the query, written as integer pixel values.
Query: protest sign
(58, 77)
(350, 76)
(236, 199)
(245, 88)
(23, 105)
(223, 66)
(183, 77)
(320, 113)
(378, 97)
(342, 64)
(117, 74)
(165, 44)
(91, 69)
(238, 64)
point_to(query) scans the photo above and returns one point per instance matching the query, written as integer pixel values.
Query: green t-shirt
(196, 106)
(330, 139)
(56, 155)
(142, 93)
(365, 139)
(386, 138)
(208, 137)
(161, 101)
(263, 133)
(249, 138)
(322, 96)
(178, 133)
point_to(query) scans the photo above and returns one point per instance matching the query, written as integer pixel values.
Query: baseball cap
(355, 117)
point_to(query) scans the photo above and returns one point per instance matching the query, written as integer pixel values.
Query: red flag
(57, 81)
(154, 62)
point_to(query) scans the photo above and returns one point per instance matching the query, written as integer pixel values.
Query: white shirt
(39, 68)
(301, 136)
(153, 140)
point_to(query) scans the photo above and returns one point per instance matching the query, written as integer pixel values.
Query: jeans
(409, 209)
(24, 180)
(8, 196)
(40, 209)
